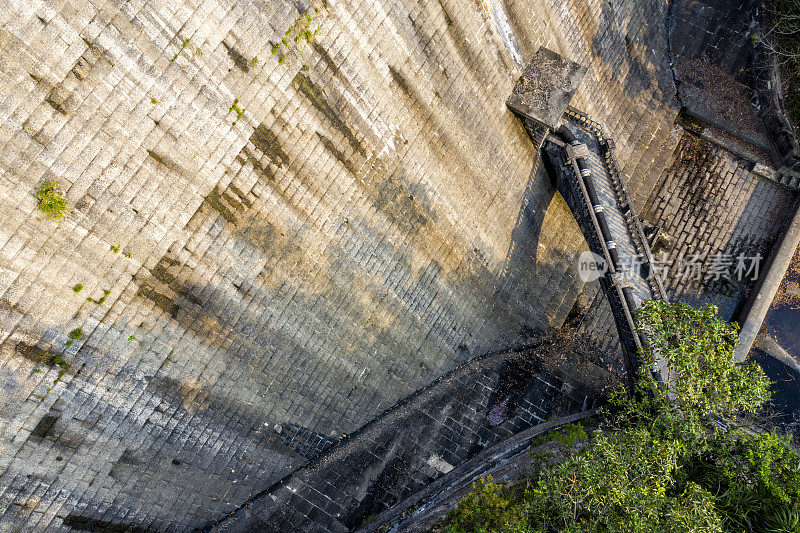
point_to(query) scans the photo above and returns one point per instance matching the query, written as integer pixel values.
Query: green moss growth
(239, 110)
(75, 334)
(102, 300)
(567, 435)
(77, 288)
(51, 200)
(299, 34)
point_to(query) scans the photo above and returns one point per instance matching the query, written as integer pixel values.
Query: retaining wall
(274, 247)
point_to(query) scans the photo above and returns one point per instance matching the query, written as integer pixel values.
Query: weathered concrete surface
(713, 52)
(506, 462)
(312, 234)
(546, 87)
(438, 430)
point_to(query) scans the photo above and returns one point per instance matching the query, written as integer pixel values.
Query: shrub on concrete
(485, 509)
(51, 201)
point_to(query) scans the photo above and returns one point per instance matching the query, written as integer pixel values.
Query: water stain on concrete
(238, 59)
(315, 95)
(87, 523)
(266, 141)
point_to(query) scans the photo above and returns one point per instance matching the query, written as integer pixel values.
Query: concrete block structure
(285, 218)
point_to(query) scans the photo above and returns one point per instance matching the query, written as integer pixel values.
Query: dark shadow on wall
(636, 46)
(527, 289)
(539, 282)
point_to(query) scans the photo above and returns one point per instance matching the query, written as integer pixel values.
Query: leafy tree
(704, 378)
(670, 457)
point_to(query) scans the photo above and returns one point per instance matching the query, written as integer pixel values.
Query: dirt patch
(575, 358)
(789, 291)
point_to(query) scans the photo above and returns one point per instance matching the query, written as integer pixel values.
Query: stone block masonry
(277, 246)
(439, 429)
(710, 202)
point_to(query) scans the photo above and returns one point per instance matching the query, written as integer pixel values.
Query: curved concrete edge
(469, 471)
(760, 301)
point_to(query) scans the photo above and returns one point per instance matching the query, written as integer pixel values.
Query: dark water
(783, 324)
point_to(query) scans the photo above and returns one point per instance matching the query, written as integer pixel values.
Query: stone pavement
(710, 202)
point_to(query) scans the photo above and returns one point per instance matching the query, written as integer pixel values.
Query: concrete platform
(546, 87)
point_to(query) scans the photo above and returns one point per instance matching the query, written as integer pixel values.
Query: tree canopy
(687, 460)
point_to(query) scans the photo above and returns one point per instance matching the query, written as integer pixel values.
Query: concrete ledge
(760, 301)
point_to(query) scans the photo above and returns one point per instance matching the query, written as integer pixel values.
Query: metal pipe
(627, 292)
(612, 251)
(601, 221)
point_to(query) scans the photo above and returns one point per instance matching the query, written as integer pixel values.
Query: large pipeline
(585, 176)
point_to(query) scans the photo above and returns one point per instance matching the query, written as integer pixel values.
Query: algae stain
(238, 59)
(266, 141)
(341, 157)
(307, 88)
(215, 201)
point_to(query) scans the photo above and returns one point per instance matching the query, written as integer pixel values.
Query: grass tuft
(51, 200)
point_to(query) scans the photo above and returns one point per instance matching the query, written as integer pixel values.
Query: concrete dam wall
(285, 217)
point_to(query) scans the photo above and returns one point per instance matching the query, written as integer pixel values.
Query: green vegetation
(566, 436)
(102, 300)
(486, 508)
(184, 44)
(51, 200)
(63, 367)
(74, 335)
(782, 38)
(77, 288)
(688, 461)
(239, 110)
(299, 34)
(153, 101)
(114, 249)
